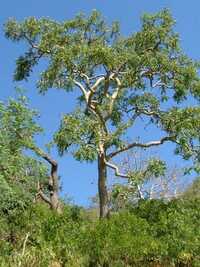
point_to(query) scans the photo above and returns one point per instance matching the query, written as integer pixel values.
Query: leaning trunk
(103, 194)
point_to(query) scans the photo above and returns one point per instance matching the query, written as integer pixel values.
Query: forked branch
(116, 169)
(123, 175)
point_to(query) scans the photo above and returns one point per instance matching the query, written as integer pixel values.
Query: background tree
(193, 191)
(154, 179)
(120, 79)
(23, 176)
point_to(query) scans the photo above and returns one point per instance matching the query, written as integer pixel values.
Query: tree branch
(44, 197)
(44, 155)
(159, 83)
(114, 96)
(92, 90)
(96, 77)
(81, 87)
(23, 249)
(142, 145)
(116, 169)
(94, 87)
(53, 178)
(146, 112)
(122, 175)
(141, 195)
(34, 46)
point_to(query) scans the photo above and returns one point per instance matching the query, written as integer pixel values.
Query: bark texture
(102, 188)
(53, 186)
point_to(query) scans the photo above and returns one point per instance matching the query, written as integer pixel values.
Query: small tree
(152, 180)
(120, 79)
(19, 171)
(192, 192)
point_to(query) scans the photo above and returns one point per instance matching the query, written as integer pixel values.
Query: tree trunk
(53, 199)
(103, 194)
(54, 188)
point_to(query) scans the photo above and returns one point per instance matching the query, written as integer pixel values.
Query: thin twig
(23, 249)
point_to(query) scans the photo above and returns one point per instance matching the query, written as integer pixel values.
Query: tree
(152, 179)
(193, 190)
(53, 182)
(21, 174)
(120, 79)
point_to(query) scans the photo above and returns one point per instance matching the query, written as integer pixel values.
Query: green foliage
(176, 225)
(68, 41)
(184, 124)
(153, 232)
(80, 130)
(19, 172)
(193, 191)
(147, 70)
(117, 242)
(120, 79)
(156, 168)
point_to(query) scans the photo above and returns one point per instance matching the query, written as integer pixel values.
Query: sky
(79, 181)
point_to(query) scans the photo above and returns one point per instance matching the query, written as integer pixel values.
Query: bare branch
(86, 77)
(44, 197)
(122, 175)
(116, 169)
(53, 179)
(96, 77)
(159, 83)
(141, 196)
(146, 112)
(23, 249)
(31, 42)
(81, 87)
(24, 244)
(44, 155)
(149, 112)
(94, 87)
(142, 145)
(92, 90)
(114, 96)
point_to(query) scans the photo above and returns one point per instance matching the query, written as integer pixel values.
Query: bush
(152, 234)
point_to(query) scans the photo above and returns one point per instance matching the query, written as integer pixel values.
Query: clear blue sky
(79, 180)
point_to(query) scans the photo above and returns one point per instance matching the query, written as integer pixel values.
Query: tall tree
(120, 79)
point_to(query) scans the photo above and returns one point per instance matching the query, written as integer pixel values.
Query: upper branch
(45, 156)
(138, 112)
(35, 46)
(93, 89)
(83, 90)
(142, 145)
(114, 96)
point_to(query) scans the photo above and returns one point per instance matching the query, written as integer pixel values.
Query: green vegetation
(153, 233)
(121, 79)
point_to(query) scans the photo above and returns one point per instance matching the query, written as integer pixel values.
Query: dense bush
(152, 234)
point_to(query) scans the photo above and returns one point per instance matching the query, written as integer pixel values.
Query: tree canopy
(120, 79)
